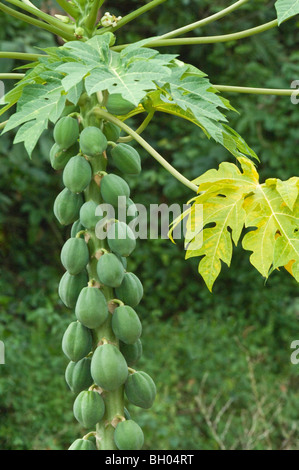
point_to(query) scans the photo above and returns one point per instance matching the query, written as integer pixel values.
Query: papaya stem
(114, 400)
(131, 16)
(68, 8)
(255, 91)
(92, 16)
(40, 14)
(38, 23)
(19, 55)
(205, 40)
(111, 143)
(146, 146)
(11, 76)
(140, 129)
(204, 21)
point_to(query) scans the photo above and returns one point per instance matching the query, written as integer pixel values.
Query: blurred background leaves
(221, 362)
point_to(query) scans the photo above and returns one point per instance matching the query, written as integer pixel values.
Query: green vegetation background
(221, 362)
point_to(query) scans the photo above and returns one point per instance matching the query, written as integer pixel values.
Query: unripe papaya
(128, 435)
(76, 341)
(89, 408)
(66, 132)
(92, 141)
(82, 444)
(69, 109)
(88, 217)
(77, 174)
(121, 239)
(140, 389)
(59, 157)
(78, 376)
(118, 105)
(111, 131)
(113, 187)
(70, 287)
(131, 352)
(74, 255)
(126, 159)
(110, 270)
(91, 307)
(123, 260)
(130, 291)
(76, 228)
(127, 414)
(126, 324)
(109, 369)
(132, 211)
(67, 206)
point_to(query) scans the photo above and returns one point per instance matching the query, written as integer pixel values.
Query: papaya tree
(89, 90)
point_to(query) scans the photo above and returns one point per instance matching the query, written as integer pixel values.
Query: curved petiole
(38, 23)
(208, 39)
(43, 16)
(254, 91)
(140, 129)
(19, 55)
(109, 117)
(11, 76)
(204, 21)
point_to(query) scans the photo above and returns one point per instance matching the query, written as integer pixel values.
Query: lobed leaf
(231, 200)
(286, 9)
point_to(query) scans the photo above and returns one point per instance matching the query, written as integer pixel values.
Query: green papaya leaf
(286, 9)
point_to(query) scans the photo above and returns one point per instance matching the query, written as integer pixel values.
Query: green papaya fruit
(113, 187)
(127, 414)
(132, 211)
(66, 132)
(110, 270)
(82, 444)
(88, 217)
(89, 408)
(74, 255)
(67, 206)
(111, 131)
(91, 307)
(126, 159)
(126, 324)
(123, 260)
(69, 109)
(59, 157)
(76, 228)
(128, 435)
(109, 369)
(77, 174)
(130, 291)
(121, 239)
(76, 341)
(92, 141)
(131, 352)
(118, 105)
(70, 287)
(140, 389)
(78, 376)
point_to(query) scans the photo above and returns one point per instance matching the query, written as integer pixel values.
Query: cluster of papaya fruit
(103, 342)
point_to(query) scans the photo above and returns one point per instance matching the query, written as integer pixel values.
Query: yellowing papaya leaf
(229, 200)
(289, 267)
(212, 235)
(267, 212)
(289, 191)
